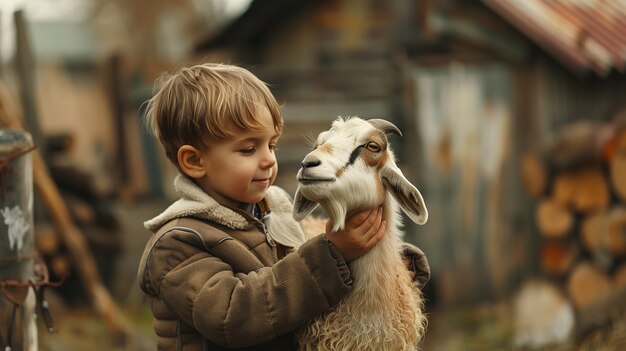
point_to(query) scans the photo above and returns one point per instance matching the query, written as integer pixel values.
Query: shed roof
(582, 34)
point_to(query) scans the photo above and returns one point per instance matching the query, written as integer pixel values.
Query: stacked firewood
(579, 184)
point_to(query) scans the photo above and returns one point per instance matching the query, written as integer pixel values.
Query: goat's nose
(310, 163)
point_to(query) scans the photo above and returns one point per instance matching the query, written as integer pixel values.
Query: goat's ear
(408, 197)
(302, 206)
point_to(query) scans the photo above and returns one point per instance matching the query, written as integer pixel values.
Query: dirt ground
(474, 328)
(77, 325)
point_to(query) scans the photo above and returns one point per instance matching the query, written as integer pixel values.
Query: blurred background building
(513, 114)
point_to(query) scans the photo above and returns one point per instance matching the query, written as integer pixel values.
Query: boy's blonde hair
(200, 105)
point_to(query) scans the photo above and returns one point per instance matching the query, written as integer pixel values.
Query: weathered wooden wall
(332, 60)
(464, 119)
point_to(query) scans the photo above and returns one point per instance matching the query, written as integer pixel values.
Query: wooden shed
(473, 84)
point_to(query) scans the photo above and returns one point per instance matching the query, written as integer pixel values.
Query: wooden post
(116, 96)
(26, 73)
(1, 51)
(17, 253)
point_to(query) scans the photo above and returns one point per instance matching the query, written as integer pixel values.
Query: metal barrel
(17, 251)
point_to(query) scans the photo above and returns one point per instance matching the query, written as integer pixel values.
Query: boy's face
(241, 169)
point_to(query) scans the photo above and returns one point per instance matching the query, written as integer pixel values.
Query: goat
(352, 168)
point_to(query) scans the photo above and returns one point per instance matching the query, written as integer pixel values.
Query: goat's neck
(387, 251)
(378, 270)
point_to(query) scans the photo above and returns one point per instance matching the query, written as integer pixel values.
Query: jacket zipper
(270, 241)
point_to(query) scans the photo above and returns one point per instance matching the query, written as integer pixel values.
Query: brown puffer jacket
(216, 278)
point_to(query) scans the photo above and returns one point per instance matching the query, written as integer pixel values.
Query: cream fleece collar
(281, 227)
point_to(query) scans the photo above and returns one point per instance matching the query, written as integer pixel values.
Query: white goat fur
(384, 309)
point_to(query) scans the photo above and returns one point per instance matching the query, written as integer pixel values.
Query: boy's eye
(247, 151)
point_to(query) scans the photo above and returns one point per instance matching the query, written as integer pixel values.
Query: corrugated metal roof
(583, 34)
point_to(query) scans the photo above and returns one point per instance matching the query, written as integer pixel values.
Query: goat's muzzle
(306, 174)
(310, 163)
(307, 179)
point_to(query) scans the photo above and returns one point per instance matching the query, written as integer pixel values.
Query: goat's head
(351, 168)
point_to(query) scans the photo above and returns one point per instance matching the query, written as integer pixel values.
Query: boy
(227, 265)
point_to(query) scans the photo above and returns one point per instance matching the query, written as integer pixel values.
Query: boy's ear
(190, 161)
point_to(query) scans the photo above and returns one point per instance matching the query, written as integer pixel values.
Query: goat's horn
(385, 126)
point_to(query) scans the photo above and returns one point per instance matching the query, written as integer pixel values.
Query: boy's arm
(238, 310)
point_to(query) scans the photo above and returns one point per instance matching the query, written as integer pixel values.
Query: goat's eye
(372, 146)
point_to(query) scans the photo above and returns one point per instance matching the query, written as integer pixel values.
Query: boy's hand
(361, 233)
(416, 262)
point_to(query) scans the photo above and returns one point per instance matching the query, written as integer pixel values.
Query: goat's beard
(341, 201)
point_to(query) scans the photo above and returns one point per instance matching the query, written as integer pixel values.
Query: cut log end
(616, 231)
(618, 174)
(576, 144)
(558, 256)
(587, 284)
(543, 315)
(593, 230)
(553, 219)
(584, 190)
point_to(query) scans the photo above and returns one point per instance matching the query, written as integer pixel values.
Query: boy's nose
(269, 159)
